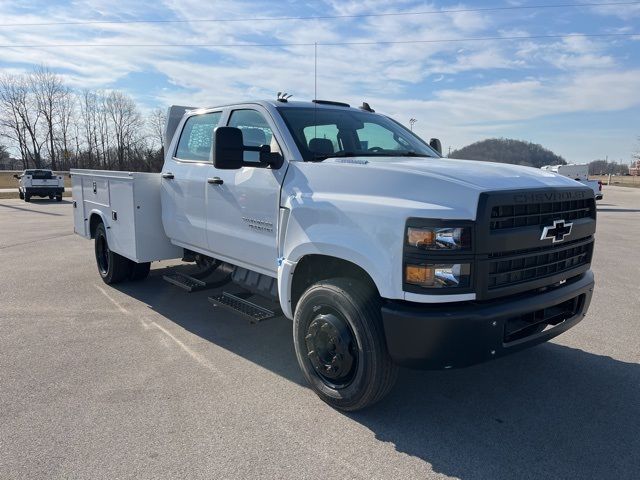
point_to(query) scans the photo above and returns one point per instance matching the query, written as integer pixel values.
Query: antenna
(315, 89)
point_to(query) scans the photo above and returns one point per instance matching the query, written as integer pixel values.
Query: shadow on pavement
(618, 210)
(548, 412)
(31, 210)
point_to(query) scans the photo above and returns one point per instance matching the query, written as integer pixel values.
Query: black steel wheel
(113, 268)
(340, 344)
(331, 347)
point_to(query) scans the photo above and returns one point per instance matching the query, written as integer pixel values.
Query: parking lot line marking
(197, 357)
(120, 307)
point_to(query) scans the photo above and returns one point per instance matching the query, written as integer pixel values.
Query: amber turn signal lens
(419, 237)
(419, 275)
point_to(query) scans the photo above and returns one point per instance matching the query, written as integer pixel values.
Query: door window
(255, 132)
(197, 136)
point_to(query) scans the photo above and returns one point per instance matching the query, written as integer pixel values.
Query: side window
(196, 137)
(255, 132)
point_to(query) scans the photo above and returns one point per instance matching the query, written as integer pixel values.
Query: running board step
(186, 282)
(256, 313)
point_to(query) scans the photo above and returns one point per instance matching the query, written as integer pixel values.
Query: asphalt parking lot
(147, 381)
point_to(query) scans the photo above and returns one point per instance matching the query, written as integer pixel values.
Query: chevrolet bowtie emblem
(556, 232)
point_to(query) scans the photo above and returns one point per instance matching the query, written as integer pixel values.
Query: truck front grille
(512, 268)
(531, 214)
(513, 256)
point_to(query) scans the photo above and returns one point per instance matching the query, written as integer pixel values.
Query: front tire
(113, 268)
(340, 344)
(59, 198)
(21, 195)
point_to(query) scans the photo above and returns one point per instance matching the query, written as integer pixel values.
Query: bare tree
(156, 121)
(48, 90)
(126, 122)
(92, 129)
(89, 117)
(20, 116)
(67, 116)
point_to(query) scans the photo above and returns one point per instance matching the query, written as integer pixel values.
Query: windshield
(326, 132)
(39, 174)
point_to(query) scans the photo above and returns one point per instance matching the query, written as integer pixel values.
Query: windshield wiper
(408, 153)
(319, 158)
(411, 153)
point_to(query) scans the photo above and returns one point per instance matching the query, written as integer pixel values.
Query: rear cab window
(197, 136)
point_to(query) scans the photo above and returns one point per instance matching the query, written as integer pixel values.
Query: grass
(621, 181)
(7, 180)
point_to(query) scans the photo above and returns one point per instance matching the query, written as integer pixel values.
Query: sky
(578, 96)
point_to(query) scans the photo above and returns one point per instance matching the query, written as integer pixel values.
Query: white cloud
(464, 90)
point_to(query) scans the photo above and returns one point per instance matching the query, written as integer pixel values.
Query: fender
(286, 269)
(342, 242)
(93, 212)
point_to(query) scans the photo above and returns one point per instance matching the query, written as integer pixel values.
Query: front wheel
(21, 195)
(113, 268)
(340, 344)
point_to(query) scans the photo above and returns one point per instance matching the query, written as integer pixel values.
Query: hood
(474, 174)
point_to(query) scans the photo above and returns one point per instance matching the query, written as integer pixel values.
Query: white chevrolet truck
(381, 252)
(579, 173)
(40, 183)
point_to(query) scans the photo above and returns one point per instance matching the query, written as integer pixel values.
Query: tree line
(50, 125)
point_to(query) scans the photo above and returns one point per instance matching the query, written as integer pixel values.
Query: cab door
(184, 182)
(243, 205)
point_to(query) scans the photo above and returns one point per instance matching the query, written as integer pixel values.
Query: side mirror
(228, 148)
(16, 176)
(267, 157)
(436, 145)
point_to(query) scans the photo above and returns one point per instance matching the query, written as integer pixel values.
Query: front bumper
(459, 335)
(43, 191)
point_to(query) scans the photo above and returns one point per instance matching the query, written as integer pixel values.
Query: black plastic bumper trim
(455, 335)
(43, 191)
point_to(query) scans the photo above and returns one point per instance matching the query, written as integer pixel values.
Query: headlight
(438, 275)
(436, 238)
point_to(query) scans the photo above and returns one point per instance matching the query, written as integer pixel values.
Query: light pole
(412, 121)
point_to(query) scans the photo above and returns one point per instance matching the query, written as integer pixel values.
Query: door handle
(215, 181)
(168, 176)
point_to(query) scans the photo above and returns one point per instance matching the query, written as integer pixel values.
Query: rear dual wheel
(115, 268)
(340, 344)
